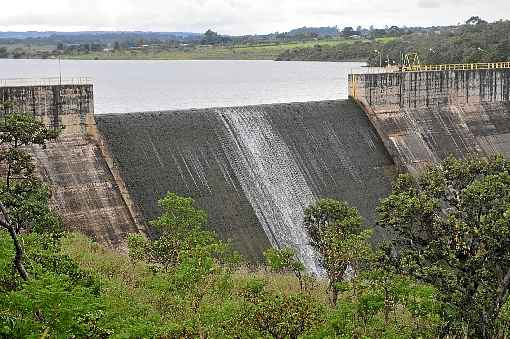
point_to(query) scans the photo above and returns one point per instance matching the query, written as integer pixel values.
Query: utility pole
(380, 57)
(59, 70)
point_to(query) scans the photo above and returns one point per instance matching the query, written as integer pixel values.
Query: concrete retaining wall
(85, 191)
(396, 90)
(71, 106)
(423, 117)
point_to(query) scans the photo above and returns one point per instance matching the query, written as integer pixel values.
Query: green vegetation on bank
(469, 43)
(247, 51)
(445, 272)
(475, 41)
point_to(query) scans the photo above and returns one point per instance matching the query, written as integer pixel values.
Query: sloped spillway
(255, 168)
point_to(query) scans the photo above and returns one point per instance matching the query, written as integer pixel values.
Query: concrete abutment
(87, 191)
(425, 116)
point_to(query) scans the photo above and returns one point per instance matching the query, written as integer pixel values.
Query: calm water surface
(134, 86)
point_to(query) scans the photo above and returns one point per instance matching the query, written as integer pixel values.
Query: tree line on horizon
(431, 42)
(475, 41)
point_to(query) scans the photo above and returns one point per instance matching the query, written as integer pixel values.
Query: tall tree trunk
(18, 257)
(333, 298)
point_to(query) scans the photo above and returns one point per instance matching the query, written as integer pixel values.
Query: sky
(237, 17)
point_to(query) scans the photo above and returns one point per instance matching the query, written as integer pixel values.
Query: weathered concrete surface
(85, 190)
(71, 106)
(252, 168)
(388, 92)
(423, 117)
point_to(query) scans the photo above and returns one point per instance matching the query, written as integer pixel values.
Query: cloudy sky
(238, 16)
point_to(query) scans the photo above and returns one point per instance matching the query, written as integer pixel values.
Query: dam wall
(69, 106)
(254, 169)
(85, 191)
(425, 116)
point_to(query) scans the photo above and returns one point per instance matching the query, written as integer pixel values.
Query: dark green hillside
(469, 43)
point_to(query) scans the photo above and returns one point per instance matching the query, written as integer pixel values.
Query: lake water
(134, 86)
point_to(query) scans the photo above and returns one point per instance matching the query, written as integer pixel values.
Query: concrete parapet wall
(423, 117)
(392, 91)
(71, 106)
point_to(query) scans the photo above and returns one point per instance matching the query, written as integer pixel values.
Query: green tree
(347, 31)
(23, 198)
(281, 260)
(180, 232)
(475, 20)
(4, 53)
(210, 37)
(451, 229)
(336, 234)
(197, 262)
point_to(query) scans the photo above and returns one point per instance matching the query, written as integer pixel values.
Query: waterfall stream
(270, 177)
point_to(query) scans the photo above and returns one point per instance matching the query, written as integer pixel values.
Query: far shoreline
(183, 59)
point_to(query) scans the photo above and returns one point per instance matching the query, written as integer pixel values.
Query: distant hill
(25, 35)
(102, 35)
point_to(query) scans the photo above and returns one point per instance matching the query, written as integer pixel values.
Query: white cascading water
(271, 180)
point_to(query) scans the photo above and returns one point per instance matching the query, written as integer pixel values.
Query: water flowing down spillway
(271, 179)
(254, 169)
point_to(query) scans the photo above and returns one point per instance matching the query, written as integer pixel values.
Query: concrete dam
(254, 169)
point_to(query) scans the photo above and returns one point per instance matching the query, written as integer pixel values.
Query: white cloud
(237, 16)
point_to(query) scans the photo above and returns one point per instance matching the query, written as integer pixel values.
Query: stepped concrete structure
(428, 113)
(86, 192)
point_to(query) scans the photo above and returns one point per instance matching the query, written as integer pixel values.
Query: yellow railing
(455, 67)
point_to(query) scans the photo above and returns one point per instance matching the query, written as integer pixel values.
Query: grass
(255, 51)
(139, 300)
(266, 51)
(114, 267)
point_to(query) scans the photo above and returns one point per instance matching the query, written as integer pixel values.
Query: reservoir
(152, 85)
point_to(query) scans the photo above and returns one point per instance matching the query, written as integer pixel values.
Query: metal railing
(53, 81)
(456, 67)
(374, 70)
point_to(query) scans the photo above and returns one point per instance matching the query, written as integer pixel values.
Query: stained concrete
(424, 117)
(71, 106)
(85, 191)
(193, 153)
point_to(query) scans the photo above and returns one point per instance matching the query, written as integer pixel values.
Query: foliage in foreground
(78, 288)
(441, 275)
(451, 228)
